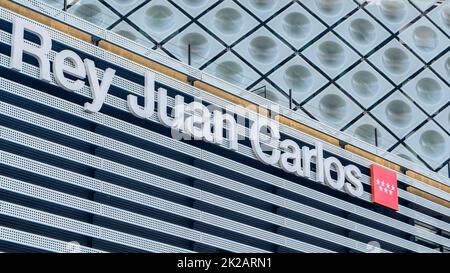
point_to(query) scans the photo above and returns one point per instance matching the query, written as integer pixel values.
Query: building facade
(85, 168)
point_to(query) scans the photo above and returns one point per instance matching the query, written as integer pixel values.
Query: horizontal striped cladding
(125, 216)
(71, 130)
(213, 199)
(90, 230)
(116, 162)
(139, 153)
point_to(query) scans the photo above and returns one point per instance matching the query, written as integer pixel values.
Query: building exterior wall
(109, 181)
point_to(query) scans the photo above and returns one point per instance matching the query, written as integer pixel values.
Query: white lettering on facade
(193, 119)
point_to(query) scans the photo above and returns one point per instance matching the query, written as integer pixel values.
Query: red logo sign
(384, 187)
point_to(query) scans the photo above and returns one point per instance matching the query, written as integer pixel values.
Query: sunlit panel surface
(378, 70)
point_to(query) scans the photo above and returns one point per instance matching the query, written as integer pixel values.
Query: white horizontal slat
(39, 242)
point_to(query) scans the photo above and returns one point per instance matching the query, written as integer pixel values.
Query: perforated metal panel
(38, 242)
